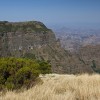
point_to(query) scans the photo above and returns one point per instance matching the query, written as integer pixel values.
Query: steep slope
(33, 39)
(90, 55)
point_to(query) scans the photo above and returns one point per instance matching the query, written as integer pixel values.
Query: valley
(73, 39)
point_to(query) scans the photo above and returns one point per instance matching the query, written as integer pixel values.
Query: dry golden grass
(61, 87)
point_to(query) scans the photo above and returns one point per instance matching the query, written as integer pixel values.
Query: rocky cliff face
(34, 39)
(23, 37)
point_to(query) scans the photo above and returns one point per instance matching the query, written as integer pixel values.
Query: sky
(51, 11)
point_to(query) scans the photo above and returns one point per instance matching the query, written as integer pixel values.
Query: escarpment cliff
(33, 39)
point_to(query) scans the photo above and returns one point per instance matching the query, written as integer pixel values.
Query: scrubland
(60, 87)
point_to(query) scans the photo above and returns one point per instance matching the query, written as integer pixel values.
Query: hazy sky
(51, 11)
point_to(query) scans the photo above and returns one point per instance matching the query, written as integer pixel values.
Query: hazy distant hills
(72, 39)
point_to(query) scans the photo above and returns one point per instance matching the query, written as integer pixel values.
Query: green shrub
(44, 67)
(20, 72)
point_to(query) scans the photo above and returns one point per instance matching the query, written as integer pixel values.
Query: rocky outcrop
(33, 39)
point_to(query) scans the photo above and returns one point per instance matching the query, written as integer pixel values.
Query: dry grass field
(60, 87)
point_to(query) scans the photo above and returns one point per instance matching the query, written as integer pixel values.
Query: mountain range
(34, 40)
(74, 38)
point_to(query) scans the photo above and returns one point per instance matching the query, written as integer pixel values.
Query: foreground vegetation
(60, 87)
(16, 73)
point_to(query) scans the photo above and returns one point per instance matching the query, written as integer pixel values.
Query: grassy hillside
(60, 87)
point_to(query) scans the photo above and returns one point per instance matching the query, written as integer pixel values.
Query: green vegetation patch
(20, 72)
(30, 26)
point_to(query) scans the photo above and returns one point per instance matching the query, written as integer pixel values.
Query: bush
(44, 67)
(20, 72)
